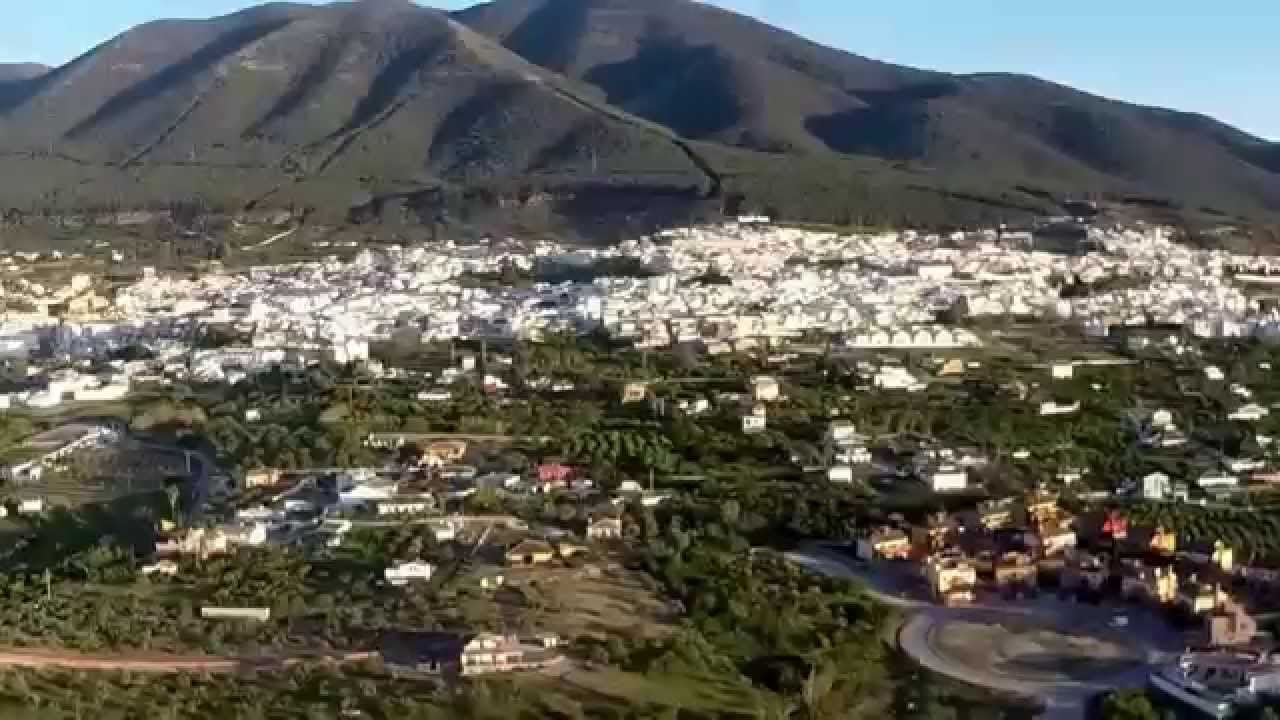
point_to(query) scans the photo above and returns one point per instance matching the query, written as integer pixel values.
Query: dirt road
(158, 662)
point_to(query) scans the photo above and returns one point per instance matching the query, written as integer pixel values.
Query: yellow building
(1015, 571)
(262, 477)
(634, 392)
(445, 452)
(885, 544)
(1164, 542)
(1224, 557)
(1042, 509)
(1199, 598)
(995, 515)
(1155, 585)
(1052, 540)
(934, 534)
(951, 578)
(530, 552)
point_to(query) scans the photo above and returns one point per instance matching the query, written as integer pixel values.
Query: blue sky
(1219, 58)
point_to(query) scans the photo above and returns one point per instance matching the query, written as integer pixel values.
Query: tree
(730, 511)
(173, 493)
(1128, 705)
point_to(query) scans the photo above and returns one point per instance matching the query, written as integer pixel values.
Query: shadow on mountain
(918, 92)
(548, 36)
(389, 84)
(892, 132)
(568, 150)
(894, 125)
(311, 79)
(461, 144)
(178, 73)
(689, 89)
(1088, 137)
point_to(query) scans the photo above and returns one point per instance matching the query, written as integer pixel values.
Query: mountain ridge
(776, 91)
(329, 106)
(352, 95)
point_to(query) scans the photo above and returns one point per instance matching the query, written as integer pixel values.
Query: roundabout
(1056, 653)
(1032, 652)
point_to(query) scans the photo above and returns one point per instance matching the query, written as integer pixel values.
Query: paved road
(1063, 699)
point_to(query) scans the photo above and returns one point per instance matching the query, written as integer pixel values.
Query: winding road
(1150, 640)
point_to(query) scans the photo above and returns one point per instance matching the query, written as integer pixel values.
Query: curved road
(1063, 699)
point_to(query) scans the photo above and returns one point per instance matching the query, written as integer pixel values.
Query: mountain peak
(717, 76)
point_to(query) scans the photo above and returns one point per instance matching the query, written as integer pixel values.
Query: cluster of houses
(1013, 547)
(1001, 543)
(1202, 582)
(770, 284)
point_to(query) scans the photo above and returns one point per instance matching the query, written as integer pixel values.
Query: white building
(754, 423)
(842, 474)
(947, 478)
(1156, 486)
(1054, 408)
(1218, 481)
(765, 389)
(404, 573)
(1251, 412)
(841, 432)
(605, 528)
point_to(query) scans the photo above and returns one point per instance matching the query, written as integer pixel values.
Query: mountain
(717, 76)
(10, 72)
(584, 108)
(304, 103)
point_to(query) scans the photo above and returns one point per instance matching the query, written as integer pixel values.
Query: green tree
(1128, 705)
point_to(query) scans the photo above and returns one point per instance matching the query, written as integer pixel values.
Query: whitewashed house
(765, 389)
(947, 478)
(403, 573)
(1156, 486)
(841, 474)
(1055, 408)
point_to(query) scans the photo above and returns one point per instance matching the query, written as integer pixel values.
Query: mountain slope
(714, 75)
(581, 106)
(707, 73)
(369, 93)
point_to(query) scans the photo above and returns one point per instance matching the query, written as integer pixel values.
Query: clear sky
(1218, 57)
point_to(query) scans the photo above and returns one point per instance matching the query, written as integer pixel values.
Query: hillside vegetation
(582, 108)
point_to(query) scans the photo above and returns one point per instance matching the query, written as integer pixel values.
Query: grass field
(598, 601)
(685, 690)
